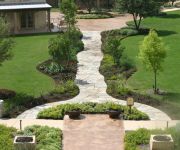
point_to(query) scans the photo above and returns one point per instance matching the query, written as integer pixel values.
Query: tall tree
(140, 8)
(152, 54)
(69, 9)
(6, 42)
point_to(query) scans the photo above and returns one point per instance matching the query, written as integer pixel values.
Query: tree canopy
(6, 42)
(152, 54)
(140, 8)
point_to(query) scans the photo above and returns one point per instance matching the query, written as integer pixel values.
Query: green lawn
(169, 29)
(20, 72)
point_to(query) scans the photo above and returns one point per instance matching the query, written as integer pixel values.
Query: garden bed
(46, 137)
(136, 82)
(94, 16)
(60, 111)
(140, 139)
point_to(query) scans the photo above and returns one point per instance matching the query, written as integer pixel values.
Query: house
(26, 16)
(53, 3)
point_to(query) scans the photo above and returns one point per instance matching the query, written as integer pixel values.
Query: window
(27, 20)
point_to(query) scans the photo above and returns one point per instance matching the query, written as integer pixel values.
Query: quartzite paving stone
(91, 83)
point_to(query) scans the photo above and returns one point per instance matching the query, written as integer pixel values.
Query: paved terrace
(91, 83)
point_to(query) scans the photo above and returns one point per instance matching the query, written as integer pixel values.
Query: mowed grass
(168, 28)
(20, 72)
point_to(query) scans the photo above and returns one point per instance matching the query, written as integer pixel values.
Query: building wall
(40, 22)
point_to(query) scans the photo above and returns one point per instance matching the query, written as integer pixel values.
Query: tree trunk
(155, 82)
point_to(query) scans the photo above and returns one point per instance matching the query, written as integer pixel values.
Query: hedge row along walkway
(93, 132)
(91, 82)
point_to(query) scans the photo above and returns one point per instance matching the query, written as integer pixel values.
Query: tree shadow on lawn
(165, 32)
(170, 16)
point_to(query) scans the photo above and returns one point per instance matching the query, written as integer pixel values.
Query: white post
(1, 108)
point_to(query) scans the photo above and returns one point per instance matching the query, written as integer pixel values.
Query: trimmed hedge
(59, 111)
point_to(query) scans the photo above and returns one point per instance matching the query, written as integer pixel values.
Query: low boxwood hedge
(59, 111)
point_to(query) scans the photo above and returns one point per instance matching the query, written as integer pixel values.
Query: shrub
(126, 63)
(59, 111)
(128, 31)
(46, 137)
(62, 49)
(52, 68)
(20, 101)
(5, 93)
(134, 138)
(142, 136)
(118, 87)
(66, 87)
(94, 16)
(113, 47)
(6, 138)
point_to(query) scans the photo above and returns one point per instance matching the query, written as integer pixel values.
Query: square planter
(25, 143)
(161, 142)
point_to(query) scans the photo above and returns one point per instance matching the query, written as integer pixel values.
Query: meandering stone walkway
(91, 82)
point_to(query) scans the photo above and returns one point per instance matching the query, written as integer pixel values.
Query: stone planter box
(161, 142)
(24, 143)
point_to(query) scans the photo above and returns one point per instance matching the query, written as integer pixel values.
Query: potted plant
(73, 112)
(24, 142)
(114, 111)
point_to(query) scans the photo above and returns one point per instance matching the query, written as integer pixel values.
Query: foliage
(6, 43)
(68, 87)
(128, 31)
(142, 136)
(118, 87)
(18, 103)
(52, 68)
(59, 111)
(89, 4)
(75, 36)
(46, 137)
(61, 49)
(6, 138)
(114, 48)
(140, 9)
(152, 54)
(94, 16)
(69, 10)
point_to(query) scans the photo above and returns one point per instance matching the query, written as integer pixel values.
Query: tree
(140, 9)
(89, 4)
(114, 48)
(69, 9)
(152, 54)
(6, 43)
(172, 2)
